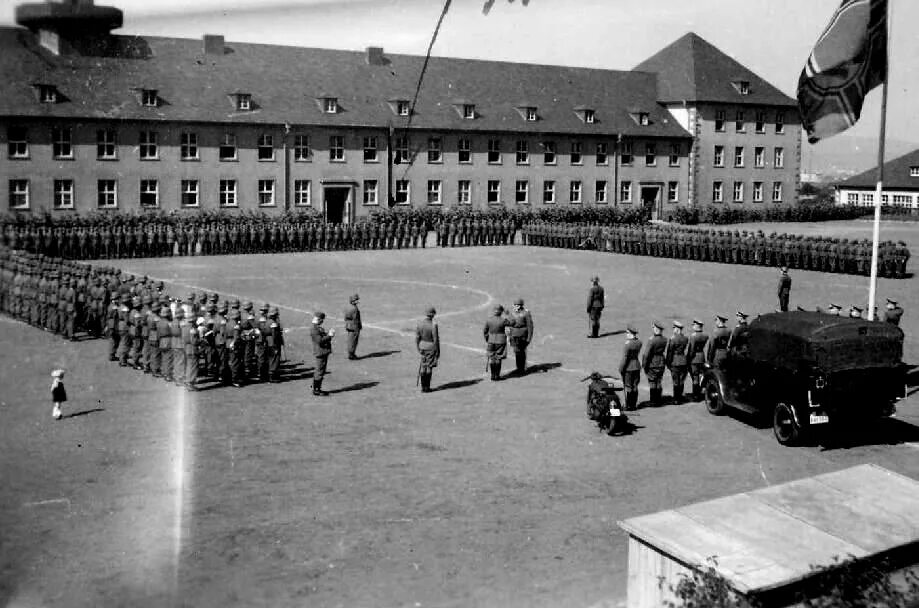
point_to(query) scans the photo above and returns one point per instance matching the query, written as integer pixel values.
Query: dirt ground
(479, 494)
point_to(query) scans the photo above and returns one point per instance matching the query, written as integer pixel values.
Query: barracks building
(92, 121)
(900, 186)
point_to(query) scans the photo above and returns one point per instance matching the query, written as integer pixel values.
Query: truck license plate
(615, 412)
(819, 418)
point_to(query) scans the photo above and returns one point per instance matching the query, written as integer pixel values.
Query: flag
(849, 59)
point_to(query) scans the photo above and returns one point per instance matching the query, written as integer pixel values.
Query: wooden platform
(771, 538)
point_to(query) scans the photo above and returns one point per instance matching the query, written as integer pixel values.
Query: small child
(58, 394)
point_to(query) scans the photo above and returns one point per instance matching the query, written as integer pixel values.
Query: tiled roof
(693, 70)
(287, 82)
(896, 175)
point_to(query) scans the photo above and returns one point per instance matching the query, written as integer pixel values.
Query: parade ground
(479, 494)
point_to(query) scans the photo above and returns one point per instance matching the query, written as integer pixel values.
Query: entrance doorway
(336, 202)
(650, 200)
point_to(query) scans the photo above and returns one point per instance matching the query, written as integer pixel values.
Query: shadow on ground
(457, 384)
(359, 386)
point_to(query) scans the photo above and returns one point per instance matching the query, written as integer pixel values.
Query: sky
(771, 37)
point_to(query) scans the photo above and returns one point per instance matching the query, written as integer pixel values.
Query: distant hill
(842, 156)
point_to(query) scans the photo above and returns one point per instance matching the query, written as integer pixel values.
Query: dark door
(335, 201)
(650, 197)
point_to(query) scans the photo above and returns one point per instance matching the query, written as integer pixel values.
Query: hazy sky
(771, 37)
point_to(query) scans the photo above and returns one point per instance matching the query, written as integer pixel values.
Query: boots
(631, 401)
(656, 397)
(678, 394)
(521, 363)
(495, 371)
(426, 382)
(317, 389)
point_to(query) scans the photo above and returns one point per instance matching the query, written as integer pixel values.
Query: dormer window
(402, 107)
(469, 111)
(330, 105)
(589, 116)
(47, 93)
(914, 171)
(643, 119)
(149, 98)
(243, 102)
(742, 86)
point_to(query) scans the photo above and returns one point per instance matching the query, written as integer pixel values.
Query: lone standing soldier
(630, 368)
(675, 357)
(427, 341)
(893, 313)
(596, 299)
(653, 362)
(353, 326)
(716, 349)
(784, 289)
(322, 348)
(521, 335)
(496, 341)
(697, 342)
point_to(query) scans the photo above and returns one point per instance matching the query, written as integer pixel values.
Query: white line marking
(50, 501)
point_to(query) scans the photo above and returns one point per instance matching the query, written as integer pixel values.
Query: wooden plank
(896, 494)
(646, 566)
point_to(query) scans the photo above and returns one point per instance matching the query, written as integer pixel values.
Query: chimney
(375, 55)
(213, 44)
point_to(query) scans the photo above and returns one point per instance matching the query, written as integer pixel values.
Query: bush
(811, 212)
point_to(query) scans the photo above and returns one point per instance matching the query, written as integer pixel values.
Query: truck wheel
(787, 430)
(713, 401)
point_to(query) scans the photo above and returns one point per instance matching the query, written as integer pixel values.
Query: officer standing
(322, 348)
(630, 367)
(739, 339)
(716, 350)
(496, 340)
(893, 313)
(521, 329)
(676, 359)
(784, 290)
(274, 341)
(353, 326)
(653, 362)
(596, 300)
(697, 342)
(427, 341)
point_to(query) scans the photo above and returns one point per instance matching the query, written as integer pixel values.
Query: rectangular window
(402, 108)
(266, 193)
(867, 199)
(548, 192)
(19, 194)
(717, 192)
(62, 142)
(189, 146)
(17, 142)
(149, 98)
(148, 146)
(464, 192)
(302, 151)
(189, 193)
(400, 150)
(523, 152)
(435, 150)
(228, 147)
(106, 148)
(370, 149)
(738, 156)
(779, 158)
(244, 102)
(494, 151)
(675, 151)
(265, 147)
(780, 122)
(757, 192)
(738, 192)
(673, 192)
(625, 192)
(602, 156)
(589, 116)
(403, 191)
(777, 192)
(720, 120)
(336, 149)
(464, 150)
(433, 191)
(494, 191)
(718, 158)
(739, 124)
(548, 153)
(600, 191)
(625, 157)
(522, 192)
(760, 122)
(759, 157)
(650, 155)
(576, 156)
(914, 171)
(228, 193)
(149, 193)
(107, 194)
(531, 114)
(574, 192)
(371, 191)
(852, 198)
(469, 111)
(47, 93)
(63, 194)
(303, 193)
(330, 105)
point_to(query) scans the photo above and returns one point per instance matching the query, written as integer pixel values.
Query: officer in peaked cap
(322, 348)
(427, 342)
(716, 350)
(274, 341)
(893, 312)
(784, 289)
(630, 367)
(739, 339)
(521, 334)
(353, 325)
(855, 312)
(654, 362)
(696, 354)
(675, 357)
(496, 340)
(596, 300)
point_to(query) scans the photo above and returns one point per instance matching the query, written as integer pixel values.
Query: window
(531, 114)
(303, 192)
(522, 192)
(779, 159)
(188, 146)
(523, 152)
(548, 152)
(673, 192)
(19, 194)
(403, 191)
(433, 191)
(149, 98)
(107, 194)
(494, 151)
(148, 147)
(371, 192)
(718, 159)
(469, 111)
(149, 193)
(266, 193)
(330, 105)
(302, 152)
(602, 156)
(717, 192)
(574, 192)
(435, 150)
(600, 191)
(625, 192)
(243, 102)
(265, 147)
(589, 117)
(757, 192)
(650, 155)
(720, 120)
(902, 200)
(464, 192)
(780, 122)
(643, 119)
(852, 198)
(370, 149)
(743, 87)
(105, 144)
(494, 191)
(189, 193)
(576, 157)
(759, 157)
(738, 156)
(47, 93)
(548, 192)
(336, 148)
(914, 171)
(760, 125)
(738, 192)
(63, 194)
(777, 192)
(739, 125)
(62, 142)
(17, 141)
(675, 151)
(402, 108)
(228, 147)
(464, 149)
(228, 193)
(626, 155)
(867, 199)
(400, 150)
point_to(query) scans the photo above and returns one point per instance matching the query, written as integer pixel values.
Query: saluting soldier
(353, 325)
(630, 367)
(893, 313)
(653, 362)
(427, 341)
(521, 329)
(596, 300)
(322, 348)
(784, 290)
(676, 359)
(716, 350)
(696, 355)
(496, 340)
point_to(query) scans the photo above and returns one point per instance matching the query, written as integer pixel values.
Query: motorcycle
(603, 404)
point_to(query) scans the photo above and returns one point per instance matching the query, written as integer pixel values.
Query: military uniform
(322, 348)
(274, 340)
(427, 341)
(630, 368)
(353, 326)
(596, 300)
(653, 363)
(893, 313)
(738, 342)
(496, 341)
(521, 330)
(784, 290)
(696, 356)
(716, 350)
(676, 359)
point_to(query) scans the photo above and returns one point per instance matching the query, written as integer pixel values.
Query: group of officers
(824, 254)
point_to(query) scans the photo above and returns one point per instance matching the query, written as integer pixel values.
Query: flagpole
(876, 234)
